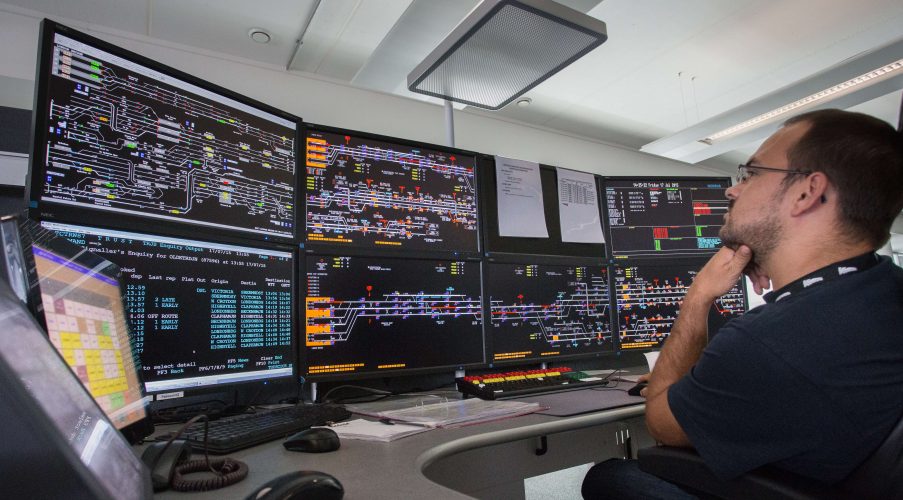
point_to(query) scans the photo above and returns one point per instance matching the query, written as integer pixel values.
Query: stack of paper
(370, 430)
(459, 412)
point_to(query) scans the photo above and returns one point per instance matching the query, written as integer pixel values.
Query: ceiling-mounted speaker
(504, 48)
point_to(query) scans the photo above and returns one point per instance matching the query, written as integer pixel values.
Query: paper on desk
(368, 430)
(578, 207)
(651, 358)
(460, 412)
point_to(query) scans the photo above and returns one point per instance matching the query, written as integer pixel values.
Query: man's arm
(688, 339)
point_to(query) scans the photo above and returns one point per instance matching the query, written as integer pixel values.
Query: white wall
(332, 103)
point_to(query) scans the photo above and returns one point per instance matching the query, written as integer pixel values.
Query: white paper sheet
(519, 194)
(578, 207)
(651, 358)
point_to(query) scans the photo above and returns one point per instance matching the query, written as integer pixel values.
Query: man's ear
(809, 194)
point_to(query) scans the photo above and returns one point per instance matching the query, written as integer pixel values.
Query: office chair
(879, 476)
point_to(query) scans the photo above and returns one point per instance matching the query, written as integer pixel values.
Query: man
(812, 381)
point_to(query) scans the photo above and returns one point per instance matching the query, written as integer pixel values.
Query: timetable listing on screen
(649, 296)
(542, 311)
(372, 315)
(201, 313)
(123, 137)
(665, 218)
(372, 194)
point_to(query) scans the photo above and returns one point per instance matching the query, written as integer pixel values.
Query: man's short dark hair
(863, 158)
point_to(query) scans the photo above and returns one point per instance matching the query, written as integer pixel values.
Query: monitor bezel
(293, 350)
(320, 247)
(372, 374)
(39, 209)
(526, 259)
(606, 226)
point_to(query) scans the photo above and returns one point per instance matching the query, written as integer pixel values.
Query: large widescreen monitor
(141, 142)
(656, 217)
(648, 297)
(554, 245)
(368, 316)
(202, 314)
(369, 192)
(540, 312)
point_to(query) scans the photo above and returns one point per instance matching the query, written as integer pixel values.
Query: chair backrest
(881, 475)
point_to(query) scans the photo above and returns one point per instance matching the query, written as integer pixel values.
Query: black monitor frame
(688, 264)
(321, 247)
(607, 226)
(526, 259)
(50, 210)
(294, 348)
(552, 246)
(374, 374)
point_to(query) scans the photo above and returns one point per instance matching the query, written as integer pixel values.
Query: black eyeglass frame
(742, 176)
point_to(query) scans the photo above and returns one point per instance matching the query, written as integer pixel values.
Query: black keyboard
(242, 431)
(522, 383)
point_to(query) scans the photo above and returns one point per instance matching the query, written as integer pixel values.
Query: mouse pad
(567, 403)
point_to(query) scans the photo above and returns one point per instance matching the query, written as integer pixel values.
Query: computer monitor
(554, 245)
(76, 296)
(657, 217)
(648, 297)
(12, 199)
(203, 314)
(58, 443)
(149, 146)
(540, 312)
(369, 316)
(371, 192)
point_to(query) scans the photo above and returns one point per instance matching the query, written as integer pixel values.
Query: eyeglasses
(745, 171)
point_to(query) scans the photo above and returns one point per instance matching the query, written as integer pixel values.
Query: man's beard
(761, 236)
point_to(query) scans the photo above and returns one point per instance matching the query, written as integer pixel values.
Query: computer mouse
(301, 485)
(635, 390)
(162, 462)
(313, 440)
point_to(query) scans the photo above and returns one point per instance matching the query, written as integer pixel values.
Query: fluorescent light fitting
(869, 78)
(504, 48)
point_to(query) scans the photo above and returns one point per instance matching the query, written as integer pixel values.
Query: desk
(488, 460)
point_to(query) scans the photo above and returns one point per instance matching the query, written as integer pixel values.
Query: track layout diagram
(665, 218)
(367, 193)
(135, 141)
(547, 310)
(366, 314)
(648, 301)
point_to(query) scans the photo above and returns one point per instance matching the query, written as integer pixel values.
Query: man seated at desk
(811, 381)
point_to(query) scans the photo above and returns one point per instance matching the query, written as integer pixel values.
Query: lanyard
(828, 273)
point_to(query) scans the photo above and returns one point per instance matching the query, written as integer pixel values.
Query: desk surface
(400, 469)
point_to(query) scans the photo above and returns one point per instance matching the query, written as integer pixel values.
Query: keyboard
(521, 383)
(243, 431)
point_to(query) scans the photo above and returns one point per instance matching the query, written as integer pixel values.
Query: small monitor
(148, 145)
(57, 441)
(648, 297)
(77, 296)
(540, 312)
(371, 192)
(366, 316)
(655, 217)
(203, 314)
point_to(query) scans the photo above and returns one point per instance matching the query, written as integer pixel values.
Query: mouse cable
(227, 471)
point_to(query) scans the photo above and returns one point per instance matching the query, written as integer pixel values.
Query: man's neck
(793, 262)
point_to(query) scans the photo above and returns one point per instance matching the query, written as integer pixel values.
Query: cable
(367, 390)
(227, 471)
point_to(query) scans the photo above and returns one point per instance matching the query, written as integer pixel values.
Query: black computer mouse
(162, 462)
(305, 484)
(313, 440)
(635, 390)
